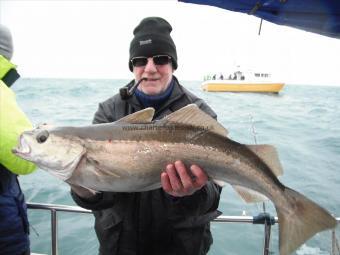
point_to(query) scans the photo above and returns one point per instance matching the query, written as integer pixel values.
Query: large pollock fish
(129, 155)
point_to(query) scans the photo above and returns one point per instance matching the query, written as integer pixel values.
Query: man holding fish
(173, 219)
(126, 169)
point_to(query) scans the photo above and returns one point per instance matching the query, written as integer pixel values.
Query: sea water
(302, 122)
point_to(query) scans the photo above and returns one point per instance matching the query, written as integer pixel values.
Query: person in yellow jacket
(14, 228)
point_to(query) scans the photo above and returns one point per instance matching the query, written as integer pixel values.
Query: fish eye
(42, 136)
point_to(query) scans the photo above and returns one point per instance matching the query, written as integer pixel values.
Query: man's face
(158, 77)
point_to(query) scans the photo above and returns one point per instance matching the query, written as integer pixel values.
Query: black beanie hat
(152, 37)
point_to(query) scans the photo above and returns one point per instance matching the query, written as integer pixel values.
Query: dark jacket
(14, 229)
(152, 222)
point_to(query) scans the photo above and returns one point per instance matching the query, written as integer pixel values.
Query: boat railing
(263, 218)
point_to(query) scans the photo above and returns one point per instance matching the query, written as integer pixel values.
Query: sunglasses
(158, 60)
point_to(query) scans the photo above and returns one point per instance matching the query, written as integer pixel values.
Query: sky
(90, 39)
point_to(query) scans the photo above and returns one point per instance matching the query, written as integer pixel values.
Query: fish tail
(303, 219)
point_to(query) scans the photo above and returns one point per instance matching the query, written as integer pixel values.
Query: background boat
(242, 81)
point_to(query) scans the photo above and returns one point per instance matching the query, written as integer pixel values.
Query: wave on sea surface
(302, 122)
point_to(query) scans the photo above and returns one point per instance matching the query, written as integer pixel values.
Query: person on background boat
(174, 219)
(14, 228)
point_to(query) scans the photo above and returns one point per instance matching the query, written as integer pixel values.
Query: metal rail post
(262, 218)
(267, 231)
(54, 232)
(268, 221)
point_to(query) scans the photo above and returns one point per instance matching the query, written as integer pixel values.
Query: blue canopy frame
(317, 16)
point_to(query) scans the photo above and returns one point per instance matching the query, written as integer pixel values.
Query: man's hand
(179, 182)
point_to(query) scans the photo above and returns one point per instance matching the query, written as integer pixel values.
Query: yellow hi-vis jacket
(12, 123)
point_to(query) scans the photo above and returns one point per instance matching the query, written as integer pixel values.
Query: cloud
(90, 39)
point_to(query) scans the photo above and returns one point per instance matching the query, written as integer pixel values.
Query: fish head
(57, 154)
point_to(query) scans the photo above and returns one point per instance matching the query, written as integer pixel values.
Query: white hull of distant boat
(240, 81)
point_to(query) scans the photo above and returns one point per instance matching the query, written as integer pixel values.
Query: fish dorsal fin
(142, 116)
(192, 115)
(269, 155)
(249, 195)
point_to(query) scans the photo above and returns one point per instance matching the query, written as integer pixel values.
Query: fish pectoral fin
(192, 115)
(143, 116)
(94, 192)
(219, 182)
(149, 187)
(249, 195)
(269, 155)
(108, 172)
(92, 161)
(101, 168)
(80, 189)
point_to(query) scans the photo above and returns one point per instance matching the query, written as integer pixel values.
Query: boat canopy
(317, 16)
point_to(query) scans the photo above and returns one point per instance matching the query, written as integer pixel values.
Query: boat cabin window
(263, 75)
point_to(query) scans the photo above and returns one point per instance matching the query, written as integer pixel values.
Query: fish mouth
(23, 149)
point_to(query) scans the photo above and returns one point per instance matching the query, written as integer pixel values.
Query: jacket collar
(177, 93)
(10, 77)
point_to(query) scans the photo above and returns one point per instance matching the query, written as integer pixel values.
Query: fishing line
(34, 230)
(335, 244)
(254, 133)
(267, 230)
